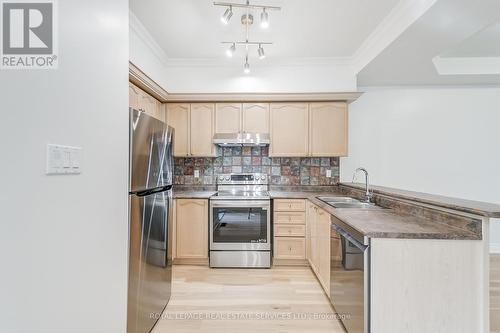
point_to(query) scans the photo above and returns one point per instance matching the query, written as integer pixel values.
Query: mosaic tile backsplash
(282, 171)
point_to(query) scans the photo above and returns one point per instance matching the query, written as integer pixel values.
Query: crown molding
(268, 62)
(143, 81)
(140, 30)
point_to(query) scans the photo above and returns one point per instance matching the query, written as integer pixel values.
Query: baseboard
(290, 262)
(191, 261)
(495, 248)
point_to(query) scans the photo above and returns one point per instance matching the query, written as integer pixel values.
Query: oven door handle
(265, 205)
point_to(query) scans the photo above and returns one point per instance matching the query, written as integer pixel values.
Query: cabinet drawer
(290, 205)
(289, 218)
(289, 247)
(290, 230)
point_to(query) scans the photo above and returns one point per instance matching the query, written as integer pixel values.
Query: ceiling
(191, 29)
(452, 39)
(484, 43)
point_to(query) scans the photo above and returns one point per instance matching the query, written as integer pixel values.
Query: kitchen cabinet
(141, 100)
(289, 129)
(246, 117)
(328, 129)
(202, 129)
(178, 118)
(191, 229)
(289, 231)
(228, 117)
(194, 128)
(318, 244)
(255, 118)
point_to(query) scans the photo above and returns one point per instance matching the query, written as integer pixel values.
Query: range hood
(241, 139)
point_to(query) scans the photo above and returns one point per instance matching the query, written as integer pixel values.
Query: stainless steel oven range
(240, 222)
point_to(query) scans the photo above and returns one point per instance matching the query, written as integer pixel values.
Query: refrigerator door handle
(145, 193)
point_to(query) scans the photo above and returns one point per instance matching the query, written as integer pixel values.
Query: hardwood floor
(495, 293)
(210, 300)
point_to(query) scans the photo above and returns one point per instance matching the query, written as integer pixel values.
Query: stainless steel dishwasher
(349, 277)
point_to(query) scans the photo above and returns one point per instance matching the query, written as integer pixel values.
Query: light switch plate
(63, 160)
(196, 173)
(328, 173)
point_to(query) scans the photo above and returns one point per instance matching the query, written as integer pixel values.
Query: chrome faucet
(368, 194)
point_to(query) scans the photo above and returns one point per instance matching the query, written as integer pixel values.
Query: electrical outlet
(328, 173)
(196, 173)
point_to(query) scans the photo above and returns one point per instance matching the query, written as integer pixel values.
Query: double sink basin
(347, 202)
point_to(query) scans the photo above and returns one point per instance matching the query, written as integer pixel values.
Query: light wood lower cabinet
(318, 244)
(289, 231)
(289, 247)
(191, 229)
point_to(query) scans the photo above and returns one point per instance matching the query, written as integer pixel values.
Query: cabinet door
(328, 129)
(133, 96)
(289, 129)
(178, 118)
(150, 105)
(289, 247)
(256, 117)
(313, 236)
(202, 129)
(227, 118)
(323, 243)
(192, 228)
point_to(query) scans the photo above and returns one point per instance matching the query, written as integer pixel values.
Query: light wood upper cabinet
(256, 117)
(202, 129)
(228, 117)
(133, 96)
(328, 129)
(178, 118)
(141, 100)
(191, 228)
(289, 129)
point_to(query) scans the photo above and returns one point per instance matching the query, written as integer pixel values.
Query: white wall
(436, 140)
(63, 239)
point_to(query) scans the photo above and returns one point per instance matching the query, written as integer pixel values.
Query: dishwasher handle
(348, 237)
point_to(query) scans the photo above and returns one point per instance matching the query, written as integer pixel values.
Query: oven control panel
(243, 179)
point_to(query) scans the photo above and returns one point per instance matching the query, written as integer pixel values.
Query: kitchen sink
(354, 205)
(347, 202)
(338, 199)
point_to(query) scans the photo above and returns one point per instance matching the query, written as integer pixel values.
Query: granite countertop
(383, 223)
(467, 206)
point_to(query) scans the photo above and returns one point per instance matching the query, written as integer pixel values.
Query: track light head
(264, 19)
(261, 52)
(246, 68)
(227, 15)
(231, 50)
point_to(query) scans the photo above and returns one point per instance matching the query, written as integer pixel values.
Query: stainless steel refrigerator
(150, 220)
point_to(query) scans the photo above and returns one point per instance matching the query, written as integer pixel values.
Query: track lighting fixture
(227, 15)
(246, 69)
(261, 52)
(247, 20)
(231, 50)
(264, 19)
